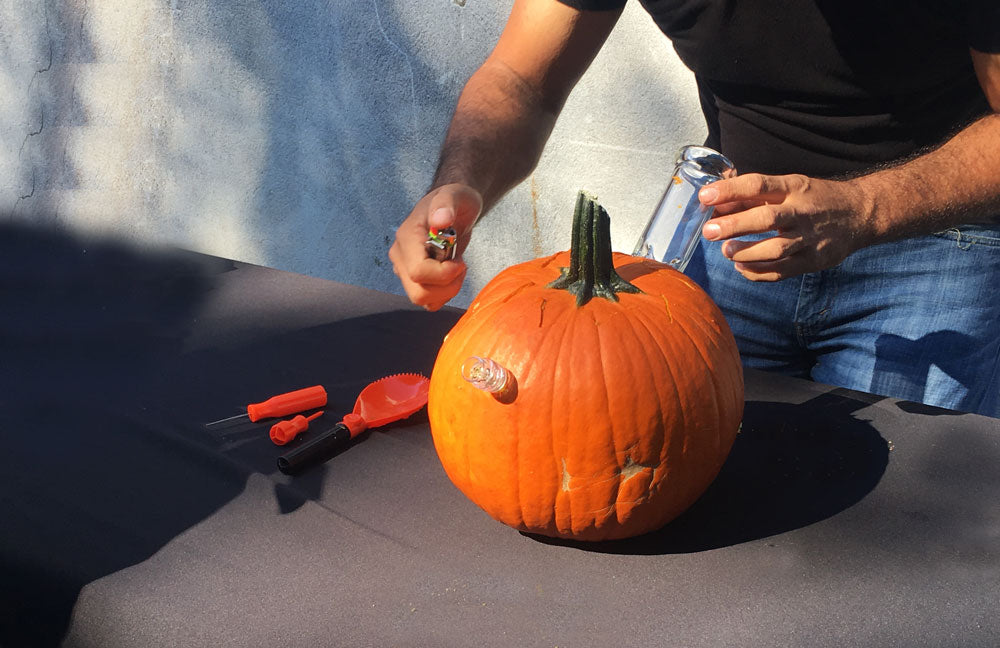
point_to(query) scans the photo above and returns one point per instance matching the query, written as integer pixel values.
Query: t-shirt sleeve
(594, 5)
(984, 26)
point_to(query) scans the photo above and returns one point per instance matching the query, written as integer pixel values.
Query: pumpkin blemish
(566, 477)
(516, 292)
(666, 303)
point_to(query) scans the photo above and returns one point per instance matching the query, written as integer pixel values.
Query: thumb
(456, 206)
(441, 217)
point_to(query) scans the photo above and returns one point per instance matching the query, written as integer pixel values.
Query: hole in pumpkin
(508, 394)
(632, 468)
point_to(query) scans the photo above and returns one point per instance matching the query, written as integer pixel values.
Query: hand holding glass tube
(674, 229)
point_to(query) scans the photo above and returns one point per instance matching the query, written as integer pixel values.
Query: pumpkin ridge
(707, 347)
(629, 349)
(657, 359)
(561, 426)
(562, 319)
(668, 356)
(643, 338)
(559, 321)
(694, 339)
(477, 321)
(611, 484)
(699, 344)
(496, 315)
(588, 430)
(562, 498)
(600, 486)
(718, 418)
(566, 425)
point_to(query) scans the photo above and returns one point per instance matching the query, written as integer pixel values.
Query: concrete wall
(298, 134)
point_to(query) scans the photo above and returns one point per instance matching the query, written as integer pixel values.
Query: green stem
(591, 272)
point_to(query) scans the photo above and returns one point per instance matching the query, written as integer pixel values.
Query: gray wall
(298, 134)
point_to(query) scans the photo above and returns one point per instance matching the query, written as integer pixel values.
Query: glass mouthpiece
(485, 374)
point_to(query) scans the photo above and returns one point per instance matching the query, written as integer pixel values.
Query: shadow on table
(84, 322)
(791, 466)
(104, 461)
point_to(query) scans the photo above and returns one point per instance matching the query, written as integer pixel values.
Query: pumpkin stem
(591, 272)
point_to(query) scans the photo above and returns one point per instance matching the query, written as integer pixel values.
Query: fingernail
(711, 231)
(443, 215)
(708, 194)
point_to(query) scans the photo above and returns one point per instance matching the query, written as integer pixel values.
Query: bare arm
(501, 123)
(954, 184)
(496, 135)
(509, 106)
(820, 222)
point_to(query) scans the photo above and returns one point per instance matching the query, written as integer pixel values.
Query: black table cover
(840, 519)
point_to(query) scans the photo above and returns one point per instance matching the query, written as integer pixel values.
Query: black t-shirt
(828, 87)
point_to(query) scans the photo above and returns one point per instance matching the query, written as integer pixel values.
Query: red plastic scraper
(386, 400)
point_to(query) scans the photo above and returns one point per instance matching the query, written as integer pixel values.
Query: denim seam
(830, 276)
(961, 238)
(807, 325)
(800, 332)
(994, 382)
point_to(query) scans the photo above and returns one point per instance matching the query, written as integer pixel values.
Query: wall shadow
(791, 466)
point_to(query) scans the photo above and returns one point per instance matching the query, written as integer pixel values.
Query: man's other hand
(817, 223)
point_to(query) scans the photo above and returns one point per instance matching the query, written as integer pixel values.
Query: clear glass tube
(674, 229)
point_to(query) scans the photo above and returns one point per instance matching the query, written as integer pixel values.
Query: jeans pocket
(966, 236)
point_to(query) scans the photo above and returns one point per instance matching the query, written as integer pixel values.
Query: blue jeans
(917, 319)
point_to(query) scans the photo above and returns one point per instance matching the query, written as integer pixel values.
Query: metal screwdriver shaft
(281, 405)
(227, 421)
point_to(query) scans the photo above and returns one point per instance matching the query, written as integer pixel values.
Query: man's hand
(817, 223)
(428, 282)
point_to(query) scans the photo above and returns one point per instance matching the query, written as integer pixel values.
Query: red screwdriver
(291, 402)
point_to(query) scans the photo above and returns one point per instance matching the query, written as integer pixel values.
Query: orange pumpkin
(623, 398)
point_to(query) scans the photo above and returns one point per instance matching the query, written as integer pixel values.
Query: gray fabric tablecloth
(840, 519)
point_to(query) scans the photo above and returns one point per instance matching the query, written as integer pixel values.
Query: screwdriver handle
(284, 431)
(290, 403)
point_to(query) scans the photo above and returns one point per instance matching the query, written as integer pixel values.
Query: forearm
(496, 135)
(955, 184)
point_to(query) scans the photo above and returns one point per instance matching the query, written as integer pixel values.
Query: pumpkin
(621, 396)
